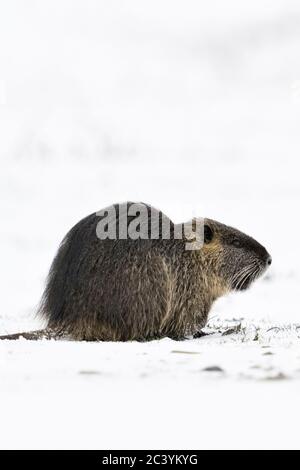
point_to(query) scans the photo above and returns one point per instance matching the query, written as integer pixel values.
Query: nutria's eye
(208, 234)
(236, 242)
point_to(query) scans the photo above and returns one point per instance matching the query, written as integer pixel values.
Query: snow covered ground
(195, 109)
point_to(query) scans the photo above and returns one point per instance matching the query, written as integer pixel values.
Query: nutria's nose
(269, 260)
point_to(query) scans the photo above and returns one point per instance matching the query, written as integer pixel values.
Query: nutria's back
(143, 288)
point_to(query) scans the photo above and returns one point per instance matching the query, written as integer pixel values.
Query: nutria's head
(237, 258)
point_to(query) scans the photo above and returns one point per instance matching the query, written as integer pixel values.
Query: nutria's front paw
(199, 334)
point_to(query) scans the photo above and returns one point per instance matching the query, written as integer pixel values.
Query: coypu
(145, 287)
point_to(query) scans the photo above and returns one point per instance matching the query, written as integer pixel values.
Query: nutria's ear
(208, 234)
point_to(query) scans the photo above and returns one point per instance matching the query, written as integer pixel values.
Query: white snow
(193, 107)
